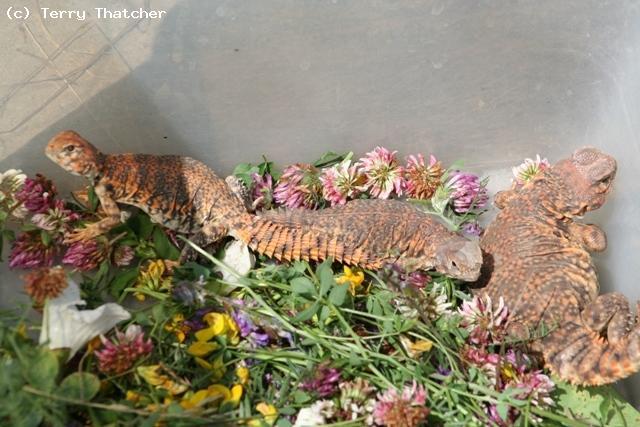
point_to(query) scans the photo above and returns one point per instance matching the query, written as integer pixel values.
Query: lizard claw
(83, 234)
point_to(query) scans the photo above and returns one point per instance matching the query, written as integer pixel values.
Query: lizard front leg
(112, 218)
(592, 237)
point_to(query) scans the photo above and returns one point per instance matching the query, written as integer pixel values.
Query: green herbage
(79, 385)
(163, 246)
(596, 405)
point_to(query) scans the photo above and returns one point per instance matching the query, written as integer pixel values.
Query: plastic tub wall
(490, 82)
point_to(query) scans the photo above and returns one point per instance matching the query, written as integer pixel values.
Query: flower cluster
(120, 354)
(378, 174)
(37, 247)
(342, 182)
(467, 192)
(529, 169)
(485, 324)
(44, 283)
(299, 186)
(323, 381)
(401, 409)
(513, 370)
(11, 183)
(288, 344)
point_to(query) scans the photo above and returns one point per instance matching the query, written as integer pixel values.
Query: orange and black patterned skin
(180, 193)
(538, 259)
(367, 233)
(185, 195)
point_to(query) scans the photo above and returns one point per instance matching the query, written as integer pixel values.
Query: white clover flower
(316, 414)
(529, 169)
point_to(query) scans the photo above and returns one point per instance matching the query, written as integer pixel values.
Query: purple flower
(472, 228)
(84, 255)
(120, 354)
(383, 173)
(445, 372)
(341, 182)
(262, 191)
(466, 192)
(29, 251)
(422, 179)
(324, 381)
(249, 331)
(37, 194)
(299, 186)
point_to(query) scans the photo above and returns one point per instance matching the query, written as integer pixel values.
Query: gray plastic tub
(490, 82)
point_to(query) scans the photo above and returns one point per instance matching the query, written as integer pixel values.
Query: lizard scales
(185, 195)
(537, 257)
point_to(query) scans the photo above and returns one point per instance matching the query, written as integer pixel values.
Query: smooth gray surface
(491, 82)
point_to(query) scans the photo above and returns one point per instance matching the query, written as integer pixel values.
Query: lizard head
(459, 258)
(588, 177)
(74, 154)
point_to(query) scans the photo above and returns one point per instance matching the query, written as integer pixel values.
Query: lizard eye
(69, 148)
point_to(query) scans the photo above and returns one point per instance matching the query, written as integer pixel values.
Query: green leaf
(244, 171)
(93, 198)
(141, 226)
(300, 396)
(329, 158)
(325, 312)
(302, 286)
(122, 280)
(588, 404)
(158, 312)
(307, 313)
(325, 275)
(43, 370)
(503, 410)
(79, 385)
(163, 245)
(338, 295)
(45, 237)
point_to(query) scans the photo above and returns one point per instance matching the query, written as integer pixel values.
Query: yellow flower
(415, 349)
(192, 400)
(219, 324)
(353, 276)
(508, 371)
(217, 368)
(133, 396)
(152, 375)
(242, 372)
(153, 278)
(178, 327)
(236, 394)
(21, 330)
(202, 348)
(215, 395)
(269, 412)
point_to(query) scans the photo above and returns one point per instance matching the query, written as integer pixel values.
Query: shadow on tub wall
(229, 82)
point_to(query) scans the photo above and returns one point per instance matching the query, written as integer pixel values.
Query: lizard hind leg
(600, 346)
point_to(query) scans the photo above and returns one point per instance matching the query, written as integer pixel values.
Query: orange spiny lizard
(183, 194)
(537, 258)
